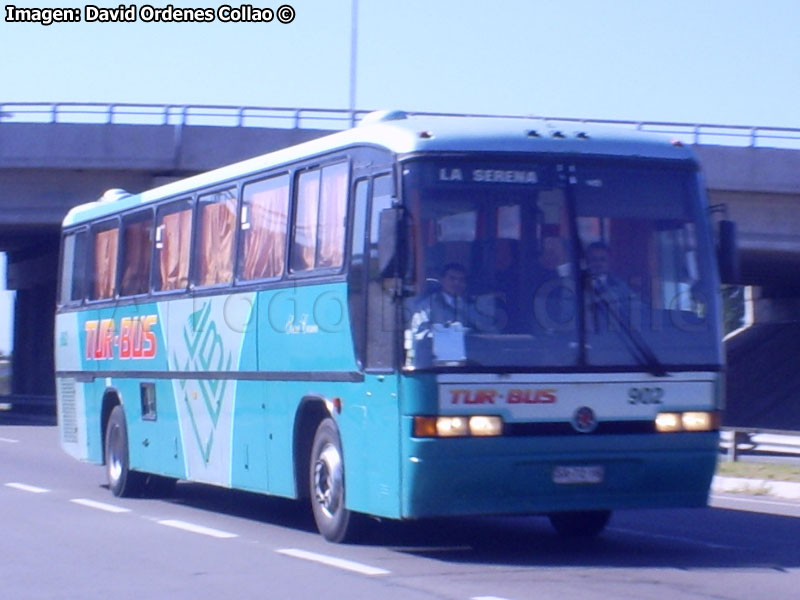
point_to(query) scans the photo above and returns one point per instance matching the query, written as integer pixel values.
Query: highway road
(63, 536)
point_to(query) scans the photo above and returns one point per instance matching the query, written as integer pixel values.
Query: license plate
(579, 475)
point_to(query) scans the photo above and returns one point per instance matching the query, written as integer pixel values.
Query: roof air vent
(113, 195)
(378, 116)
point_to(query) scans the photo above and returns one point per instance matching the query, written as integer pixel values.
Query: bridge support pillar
(32, 273)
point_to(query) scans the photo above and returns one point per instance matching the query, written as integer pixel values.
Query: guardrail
(324, 118)
(735, 442)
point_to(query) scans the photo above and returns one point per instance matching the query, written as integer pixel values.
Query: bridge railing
(324, 118)
(738, 441)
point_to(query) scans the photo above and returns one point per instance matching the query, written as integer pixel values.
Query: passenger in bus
(608, 296)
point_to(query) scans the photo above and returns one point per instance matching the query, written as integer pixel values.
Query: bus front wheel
(584, 524)
(334, 521)
(121, 480)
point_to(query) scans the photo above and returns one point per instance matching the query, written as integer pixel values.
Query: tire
(327, 489)
(580, 524)
(121, 480)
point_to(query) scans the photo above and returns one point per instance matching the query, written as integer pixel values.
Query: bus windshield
(597, 264)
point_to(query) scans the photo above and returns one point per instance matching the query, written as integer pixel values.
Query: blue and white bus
(272, 325)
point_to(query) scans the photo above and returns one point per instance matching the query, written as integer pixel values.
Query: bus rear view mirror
(728, 252)
(388, 254)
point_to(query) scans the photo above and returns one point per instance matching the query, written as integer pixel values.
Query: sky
(731, 62)
(727, 62)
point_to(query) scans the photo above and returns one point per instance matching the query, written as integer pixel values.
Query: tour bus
(417, 317)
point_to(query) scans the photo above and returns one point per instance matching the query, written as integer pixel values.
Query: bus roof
(402, 134)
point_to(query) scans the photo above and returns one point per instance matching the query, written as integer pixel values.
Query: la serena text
(489, 175)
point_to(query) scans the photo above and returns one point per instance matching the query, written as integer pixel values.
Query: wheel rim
(328, 480)
(114, 455)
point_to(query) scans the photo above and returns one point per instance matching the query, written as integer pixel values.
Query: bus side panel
(305, 332)
(208, 336)
(370, 428)
(282, 401)
(250, 438)
(71, 395)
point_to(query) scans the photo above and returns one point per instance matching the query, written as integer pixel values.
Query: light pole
(353, 57)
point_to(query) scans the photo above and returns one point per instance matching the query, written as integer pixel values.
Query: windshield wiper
(641, 350)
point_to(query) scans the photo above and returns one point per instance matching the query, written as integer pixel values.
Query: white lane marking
(27, 488)
(100, 505)
(332, 561)
(197, 529)
(9, 440)
(488, 598)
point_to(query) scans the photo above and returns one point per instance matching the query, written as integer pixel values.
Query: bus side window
(357, 298)
(380, 307)
(173, 241)
(73, 268)
(319, 219)
(332, 215)
(265, 213)
(217, 225)
(105, 248)
(137, 246)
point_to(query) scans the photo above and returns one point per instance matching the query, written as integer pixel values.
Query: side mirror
(728, 252)
(388, 243)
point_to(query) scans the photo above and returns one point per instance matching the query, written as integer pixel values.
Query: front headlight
(668, 422)
(696, 420)
(458, 426)
(485, 426)
(452, 426)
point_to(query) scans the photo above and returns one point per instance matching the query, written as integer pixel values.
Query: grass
(756, 470)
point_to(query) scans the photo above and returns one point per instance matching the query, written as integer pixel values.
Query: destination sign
(489, 173)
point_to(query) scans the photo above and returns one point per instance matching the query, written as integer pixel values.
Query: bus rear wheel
(326, 474)
(121, 480)
(583, 524)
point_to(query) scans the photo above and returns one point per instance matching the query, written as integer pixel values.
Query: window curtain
(215, 251)
(332, 209)
(105, 263)
(175, 244)
(135, 274)
(265, 238)
(305, 224)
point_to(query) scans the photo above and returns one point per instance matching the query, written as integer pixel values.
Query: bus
(275, 325)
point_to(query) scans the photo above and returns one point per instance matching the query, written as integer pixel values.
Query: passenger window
(105, 239)
(319, 226)
(265, 212)
(332, 213)
(305, 221)
(173, 241)
(214, 252)
(73, 268)
(136, 253)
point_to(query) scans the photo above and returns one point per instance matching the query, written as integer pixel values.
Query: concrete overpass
(54, 156)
